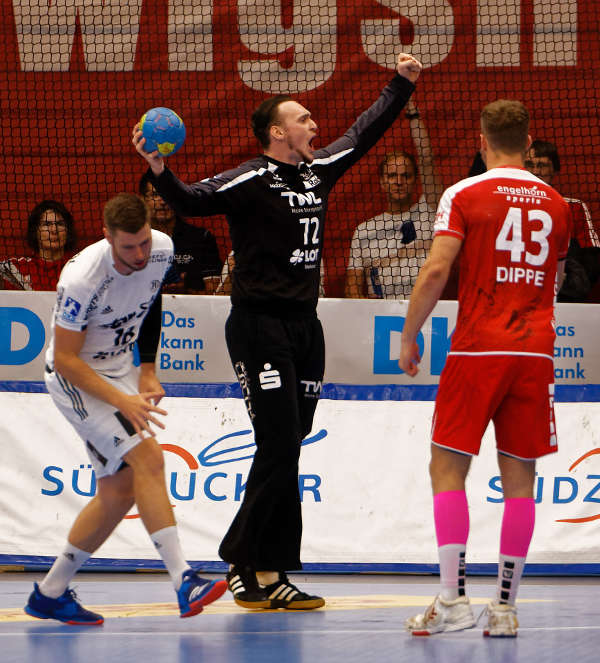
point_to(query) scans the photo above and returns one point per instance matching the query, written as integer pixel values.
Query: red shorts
(515, 392)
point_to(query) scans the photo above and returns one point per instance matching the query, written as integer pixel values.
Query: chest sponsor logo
(301, 199)
(307, 256)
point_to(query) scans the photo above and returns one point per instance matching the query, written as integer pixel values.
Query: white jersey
(92, 296)
(391, 253)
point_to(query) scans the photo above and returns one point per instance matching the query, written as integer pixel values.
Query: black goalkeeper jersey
(276, 211)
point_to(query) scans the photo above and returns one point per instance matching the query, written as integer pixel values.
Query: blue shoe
(196, 592)
(66, 608)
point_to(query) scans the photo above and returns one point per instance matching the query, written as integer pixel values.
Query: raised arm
(199, 199)
(370, 125)
(430, 180)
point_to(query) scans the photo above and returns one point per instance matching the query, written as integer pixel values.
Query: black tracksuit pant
(279, 361)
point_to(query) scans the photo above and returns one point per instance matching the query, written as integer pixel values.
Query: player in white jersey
(109, 297)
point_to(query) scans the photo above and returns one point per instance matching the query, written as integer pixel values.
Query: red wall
(66, 134)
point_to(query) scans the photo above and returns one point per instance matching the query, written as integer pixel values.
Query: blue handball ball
(163, 130)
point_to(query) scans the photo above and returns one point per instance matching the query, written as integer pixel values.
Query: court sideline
(363, 619)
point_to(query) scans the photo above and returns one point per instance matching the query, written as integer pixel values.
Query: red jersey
(31, 273)
(582, 228)
(514, 229)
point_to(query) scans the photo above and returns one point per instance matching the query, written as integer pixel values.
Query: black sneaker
(282, 594)
(244, 587)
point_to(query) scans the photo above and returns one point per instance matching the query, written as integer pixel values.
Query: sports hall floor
(362, 621)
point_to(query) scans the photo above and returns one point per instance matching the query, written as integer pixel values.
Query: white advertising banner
(363, 479)
(362, 339)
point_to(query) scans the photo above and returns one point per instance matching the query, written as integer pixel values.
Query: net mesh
(77, 74)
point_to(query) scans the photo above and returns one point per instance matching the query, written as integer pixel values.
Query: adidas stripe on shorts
(107, 435)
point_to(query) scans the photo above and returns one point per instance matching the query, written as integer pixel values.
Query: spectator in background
(197, 264)
(582, 268)
(51, 237)
(387, 250)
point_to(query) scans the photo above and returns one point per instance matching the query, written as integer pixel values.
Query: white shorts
(108, 436)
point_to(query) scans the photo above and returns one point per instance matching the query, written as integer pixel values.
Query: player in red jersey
(511, 230)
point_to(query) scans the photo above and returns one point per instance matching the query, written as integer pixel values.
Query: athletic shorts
(107, 434)
(515, 392)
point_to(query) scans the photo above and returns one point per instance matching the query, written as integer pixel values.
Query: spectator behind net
(51, 236)
(196, 263)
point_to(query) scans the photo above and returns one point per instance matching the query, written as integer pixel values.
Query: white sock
(166, 541)
(267, 577)
(64, 568)
(452, 570)
(510, 570)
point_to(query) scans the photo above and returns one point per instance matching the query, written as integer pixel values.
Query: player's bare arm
(426, 293)
(155, 161)
(408, 67)
(137, 409)
(431, 182)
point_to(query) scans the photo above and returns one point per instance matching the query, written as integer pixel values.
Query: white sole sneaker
(502, 621)
(442, 617)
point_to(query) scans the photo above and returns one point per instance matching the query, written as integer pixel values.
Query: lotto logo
(269, 379)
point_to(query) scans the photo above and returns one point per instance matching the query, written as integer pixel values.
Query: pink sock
(515, 537)
(451, 516)
(517, 526)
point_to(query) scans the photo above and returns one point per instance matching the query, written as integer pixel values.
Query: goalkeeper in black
(275, 206)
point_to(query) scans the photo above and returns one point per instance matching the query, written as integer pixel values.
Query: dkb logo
(387, 325)
(22, 336)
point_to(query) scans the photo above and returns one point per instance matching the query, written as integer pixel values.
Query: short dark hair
(544, 148)
(126, 212)
(145, 179)
(505, 124)
(390, 156)
(35, 218)
(265, 115)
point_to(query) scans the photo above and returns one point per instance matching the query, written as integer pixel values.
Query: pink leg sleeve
(517, 526)
(451, 516)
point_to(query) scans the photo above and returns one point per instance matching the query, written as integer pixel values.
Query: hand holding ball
(163, 130)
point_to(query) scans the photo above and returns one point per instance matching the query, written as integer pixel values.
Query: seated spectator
(51, 237)
(582, 268)
(388, 250)
(196, 260)
(224, 287)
